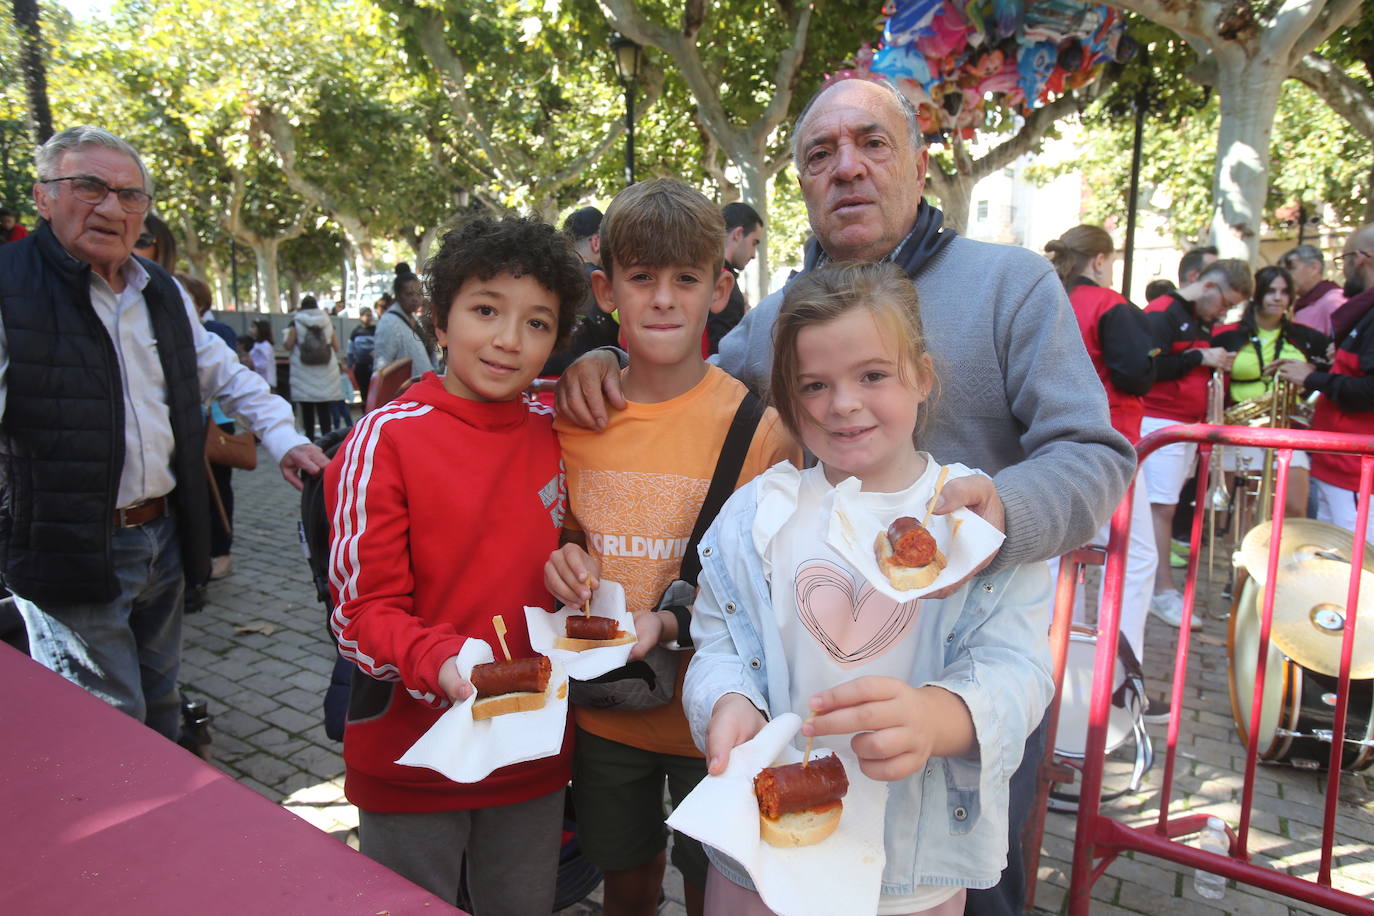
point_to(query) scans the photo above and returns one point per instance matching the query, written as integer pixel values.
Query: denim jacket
(987, 644)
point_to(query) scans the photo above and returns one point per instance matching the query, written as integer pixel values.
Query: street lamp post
(628, 57)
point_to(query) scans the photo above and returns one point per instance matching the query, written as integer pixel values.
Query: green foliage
(1317, 158)
(16, 140)
(1353, 46)
(315, 257)
(16, 131)
(1314, 156)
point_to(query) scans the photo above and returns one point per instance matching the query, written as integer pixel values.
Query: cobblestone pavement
(260, 655)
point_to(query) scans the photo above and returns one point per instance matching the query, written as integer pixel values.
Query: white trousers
(1138, 586)
(1338, 505)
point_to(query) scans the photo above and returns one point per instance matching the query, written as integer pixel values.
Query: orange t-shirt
(634, 490)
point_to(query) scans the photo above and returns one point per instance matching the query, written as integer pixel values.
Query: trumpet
(1283, 401)
(1217, 496)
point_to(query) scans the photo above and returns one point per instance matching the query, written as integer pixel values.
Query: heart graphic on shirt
(854, 623)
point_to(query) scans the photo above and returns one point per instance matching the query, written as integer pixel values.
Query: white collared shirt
(148, 443)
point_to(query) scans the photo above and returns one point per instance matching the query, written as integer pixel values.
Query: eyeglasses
(94, 191)
(1340, 258)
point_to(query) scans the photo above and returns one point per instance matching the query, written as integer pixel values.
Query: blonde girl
(936, 696)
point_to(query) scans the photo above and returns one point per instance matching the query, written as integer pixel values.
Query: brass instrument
(1218, 499)
(1282, 397)
(1264, 409)
(1217, 496)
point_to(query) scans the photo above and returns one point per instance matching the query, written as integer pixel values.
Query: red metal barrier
(1071, 567)
(1100, 839)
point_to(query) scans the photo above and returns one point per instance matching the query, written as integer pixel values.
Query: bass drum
(1124, 721)
(1298, 704)
(1072, 735)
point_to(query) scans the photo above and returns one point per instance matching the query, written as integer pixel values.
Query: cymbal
(1303, 539)
(1309, 617)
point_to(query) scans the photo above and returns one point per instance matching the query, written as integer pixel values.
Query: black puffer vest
(62, 434)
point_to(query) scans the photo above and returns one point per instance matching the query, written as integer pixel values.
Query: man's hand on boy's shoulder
(587, 386)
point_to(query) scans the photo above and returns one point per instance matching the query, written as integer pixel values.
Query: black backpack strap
(728, 468)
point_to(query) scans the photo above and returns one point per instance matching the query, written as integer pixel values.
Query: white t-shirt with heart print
(835, 626)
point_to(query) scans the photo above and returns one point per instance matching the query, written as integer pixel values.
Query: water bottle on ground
(1213, 838)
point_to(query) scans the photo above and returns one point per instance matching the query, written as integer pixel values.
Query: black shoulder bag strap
(728, 467)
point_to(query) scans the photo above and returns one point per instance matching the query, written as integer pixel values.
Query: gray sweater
(1017, 395)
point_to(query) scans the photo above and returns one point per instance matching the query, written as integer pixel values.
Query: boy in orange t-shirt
(634, 490)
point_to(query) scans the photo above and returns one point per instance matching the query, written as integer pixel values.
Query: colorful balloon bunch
(955, 59)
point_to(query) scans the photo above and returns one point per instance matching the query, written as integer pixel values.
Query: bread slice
(507, 702)
(906, 578)
(582, 645)
(802, 828)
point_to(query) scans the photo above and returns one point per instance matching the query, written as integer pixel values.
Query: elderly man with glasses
(1318, 297)
(103, 370)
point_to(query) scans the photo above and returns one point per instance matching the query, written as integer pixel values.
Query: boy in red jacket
(443, 507)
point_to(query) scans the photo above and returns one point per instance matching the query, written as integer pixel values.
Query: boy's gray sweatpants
(512, 852)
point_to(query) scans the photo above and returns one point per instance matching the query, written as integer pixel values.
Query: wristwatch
(684, 628)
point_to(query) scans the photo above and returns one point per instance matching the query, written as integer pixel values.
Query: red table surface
(101, 815)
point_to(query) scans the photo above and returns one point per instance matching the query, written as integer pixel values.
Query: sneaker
(1178, 554)
(1168, 607)
(1156, 711)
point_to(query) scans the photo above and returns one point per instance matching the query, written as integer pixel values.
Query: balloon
(1035, 64)
(910, 20)
(903, 62)
(947, 34)
(958, 59)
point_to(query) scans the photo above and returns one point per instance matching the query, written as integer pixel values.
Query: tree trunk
(1249, 88)
(358, 267)
(955, 192)
(421, 244)
(293, 285)
(269, 287)
(224, 290)
(26, 19)
(753, 171)
(1369, 200)
(196, 255)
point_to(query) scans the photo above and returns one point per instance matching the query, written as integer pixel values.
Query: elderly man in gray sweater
(1019, 397)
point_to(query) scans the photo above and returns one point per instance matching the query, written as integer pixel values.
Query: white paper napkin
(965, 538)
(469, 751)
(841, 874)
(607, 601)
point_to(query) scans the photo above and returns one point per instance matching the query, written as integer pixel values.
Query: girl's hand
(896, 727)
(571, 575)
(456, 687)
(734, 720)
(978, 494)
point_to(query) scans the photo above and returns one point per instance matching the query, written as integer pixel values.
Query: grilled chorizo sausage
(592, 628)
(519, 675)
(912, 544)
(793, 787)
